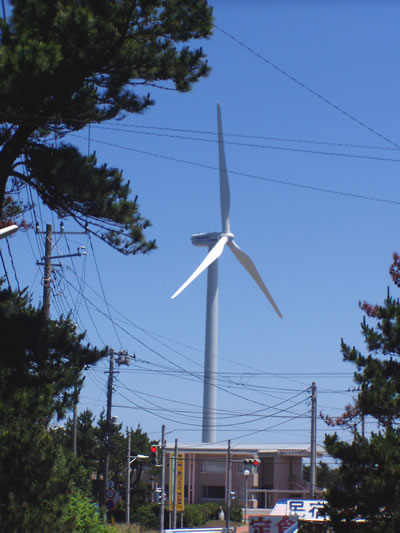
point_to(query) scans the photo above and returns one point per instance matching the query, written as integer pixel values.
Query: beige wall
(281, 472)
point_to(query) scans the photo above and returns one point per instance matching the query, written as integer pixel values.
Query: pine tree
(370, 465)
(39, 368)
(70, 63)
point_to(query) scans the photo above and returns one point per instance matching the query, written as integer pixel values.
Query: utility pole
(175, 480)
(313, 458)
(47, 263)
(229, 487)
(162, 503)
(47, 272)
(108, 422)
(75, 422)
(47, 260)
(128, 481)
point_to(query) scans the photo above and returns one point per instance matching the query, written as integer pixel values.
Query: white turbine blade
(248, 264)
(223, 176)
(212, 256)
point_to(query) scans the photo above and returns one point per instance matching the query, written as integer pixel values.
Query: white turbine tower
(216, 242)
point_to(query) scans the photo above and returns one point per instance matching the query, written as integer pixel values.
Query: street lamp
(130, 459)
(8, 230)
(246, 474)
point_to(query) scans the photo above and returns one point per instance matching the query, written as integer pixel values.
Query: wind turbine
(216, 242)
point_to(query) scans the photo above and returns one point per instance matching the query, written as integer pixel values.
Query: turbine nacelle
(209, 239)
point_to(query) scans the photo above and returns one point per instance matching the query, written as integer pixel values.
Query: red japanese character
(284, 524)
(260, 525)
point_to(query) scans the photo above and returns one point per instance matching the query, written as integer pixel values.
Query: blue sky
(316, 214)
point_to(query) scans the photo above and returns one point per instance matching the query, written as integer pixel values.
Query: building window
(210, 492)
(213, 467)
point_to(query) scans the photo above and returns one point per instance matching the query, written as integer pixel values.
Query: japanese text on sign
(272, 524)
(180, 482)
(306, 509)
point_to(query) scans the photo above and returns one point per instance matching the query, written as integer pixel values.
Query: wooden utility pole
(108, 422)
(47, 262)
(47, 272)
(75, 422)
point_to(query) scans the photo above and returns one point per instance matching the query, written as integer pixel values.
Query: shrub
(236, 511)
(212, 509)
(194, 515)
(199, 514)
(147, 515)
(83, 515)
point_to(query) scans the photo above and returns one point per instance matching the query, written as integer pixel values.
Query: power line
(263, 146)
(257, 413)
(103, 292)
(185, 372)
(118, 126)
(13, 264)
(304, 86)
(252, 176)
(122, 127)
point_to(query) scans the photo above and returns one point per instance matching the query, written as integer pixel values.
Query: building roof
(261, 449)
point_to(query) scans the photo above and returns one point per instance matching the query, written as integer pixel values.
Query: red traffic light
(251, 462)
(153, 455)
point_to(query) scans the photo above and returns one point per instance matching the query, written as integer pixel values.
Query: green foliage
(195, 515)
(38, 371)
(315, 527)
(326, 477)
(42, 365)
(37, 501)
(370, 486)
(67, 64)
(211, 510)
(236, 511)
(83, 515)
(147, 515)
(90, 458)
(369, 474)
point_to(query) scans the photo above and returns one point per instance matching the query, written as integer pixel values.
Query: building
(278, 474)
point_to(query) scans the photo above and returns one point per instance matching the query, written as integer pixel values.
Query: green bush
(212, 510)
(199, 514)
(194, 515)
(82, 516)
(147, 515)
(236, 511)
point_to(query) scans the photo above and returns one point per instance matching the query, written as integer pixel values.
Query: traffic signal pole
(162, 503)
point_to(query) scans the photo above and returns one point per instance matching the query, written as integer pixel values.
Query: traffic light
(153, 455)
(254, 462)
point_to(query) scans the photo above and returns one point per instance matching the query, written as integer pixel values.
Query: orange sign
(180, 482)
